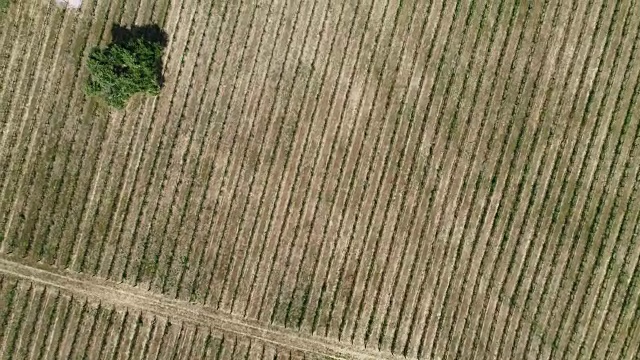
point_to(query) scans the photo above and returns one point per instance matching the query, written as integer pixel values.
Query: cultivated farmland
(323, 179)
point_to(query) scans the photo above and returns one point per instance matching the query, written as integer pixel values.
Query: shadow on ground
(152, 33)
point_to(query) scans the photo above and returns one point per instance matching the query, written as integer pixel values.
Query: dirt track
(121, 295)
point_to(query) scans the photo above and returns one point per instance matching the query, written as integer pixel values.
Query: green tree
(4, 6)
(125, 67)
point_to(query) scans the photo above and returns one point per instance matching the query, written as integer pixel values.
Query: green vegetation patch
(131, 64)
(4, 6)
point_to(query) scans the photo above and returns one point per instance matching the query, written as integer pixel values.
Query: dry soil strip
(134, 298)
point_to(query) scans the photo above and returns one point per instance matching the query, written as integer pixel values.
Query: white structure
(72, 4)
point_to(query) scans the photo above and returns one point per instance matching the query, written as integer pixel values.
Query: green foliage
(4, 6)
(124, 68)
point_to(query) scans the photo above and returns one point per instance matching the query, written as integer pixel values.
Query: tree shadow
(152, 33)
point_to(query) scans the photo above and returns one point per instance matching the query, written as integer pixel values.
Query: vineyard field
(45, 323)
(322, 179)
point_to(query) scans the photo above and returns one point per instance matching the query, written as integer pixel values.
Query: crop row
(286, 207)
(530, 150)
(560, 149)
(12, 128)
(280, 288)
(289, 285)
(534, 187)
(112, 184)
(45, 323)
(492, 136)
(518, 286)
(274, 132)
(607, 187)
(62, 164)
(574, 153)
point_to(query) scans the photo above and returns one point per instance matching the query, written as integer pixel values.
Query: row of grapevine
(40, 322)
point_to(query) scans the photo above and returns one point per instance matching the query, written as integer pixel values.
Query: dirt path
(135, 298)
